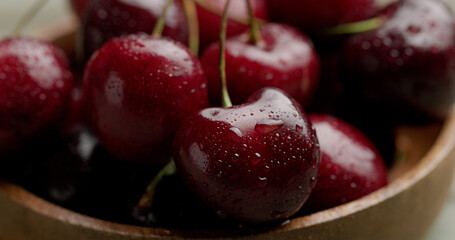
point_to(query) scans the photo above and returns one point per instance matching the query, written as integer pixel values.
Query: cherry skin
(105, 19)
(406, 67)
(255, 162)
(284, 59)
(351, 166)
(79, 6)
(209, 15)
(35, 85)
(315, 15)
(138, 90)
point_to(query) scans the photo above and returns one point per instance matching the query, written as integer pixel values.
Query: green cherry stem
(193, 25)
(159, 26)
(145, 203)
(255, 35)
(28, 17)
(225, 99)
(356, 27)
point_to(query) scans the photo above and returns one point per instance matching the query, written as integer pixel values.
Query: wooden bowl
(404, 209)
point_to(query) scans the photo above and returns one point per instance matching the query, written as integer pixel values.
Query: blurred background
(12, 10)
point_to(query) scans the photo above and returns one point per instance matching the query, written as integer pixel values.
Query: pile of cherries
(146, 101)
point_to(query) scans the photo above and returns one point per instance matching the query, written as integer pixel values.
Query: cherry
(283, 58)
(351, 166)
(61, 168)
(79, 6)
(105, 19)
(209, 16)
(255, 162)
(139, 89)
(316, 15)
(405, 68)
(35, 85)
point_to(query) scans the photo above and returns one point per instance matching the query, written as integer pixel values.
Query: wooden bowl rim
(444, 144)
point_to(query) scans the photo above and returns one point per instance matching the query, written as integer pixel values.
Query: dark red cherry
(315, 15)
(209, 15)
(405, 68)
(35, 85)
(105, 19)
(255, 162)
(284, 58)
(138, 90)
(351, 166)
(79, 5)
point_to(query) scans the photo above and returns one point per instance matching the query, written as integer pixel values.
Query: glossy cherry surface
(315, 15)
(407, 66)
(284, 58)
(35, 85)
(138, 90)
(351, 166)
(105, 19)
(209, 15)
(255, 162)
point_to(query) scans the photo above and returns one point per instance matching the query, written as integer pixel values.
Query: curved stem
(193, 25)
(159, 26)
(255, 35)
(225, 99)
(356, 27)
(28, 16)
(146, 201)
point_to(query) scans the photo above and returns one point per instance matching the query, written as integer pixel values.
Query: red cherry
(105, 19)
(284, 59)
(351, 166)
(314, 15)
(209, 16)
(255, 162)
(405, 68)
(138, 90)
(35, 84)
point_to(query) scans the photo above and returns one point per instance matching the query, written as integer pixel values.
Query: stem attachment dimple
(193, 25)
(225, 99)
(255, 35)
(145, 203)
(159, 26)
(39, 4)
(356, 27)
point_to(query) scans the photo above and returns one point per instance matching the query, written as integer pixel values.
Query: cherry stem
(28, 17)
(357, 27)
(159, 26)
(225, 99)
(255, 35)
(193, 25)
(145, 203)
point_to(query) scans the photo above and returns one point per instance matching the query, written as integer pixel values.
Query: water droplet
(414, 29)
(333, 177)
(262, 181)
(353, 185)
(268, 125)
(269, 76)
(236, 131)
(394, 53)
(257, 155)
